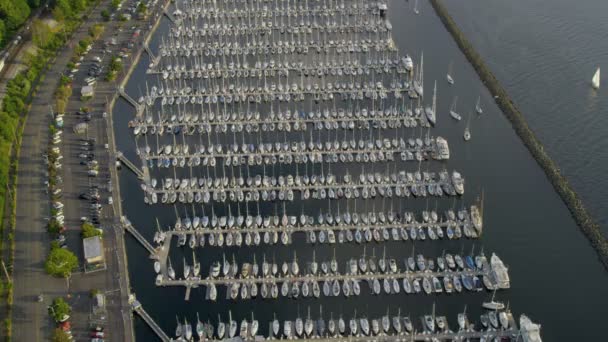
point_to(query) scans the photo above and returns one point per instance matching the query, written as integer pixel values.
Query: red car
(97, 334)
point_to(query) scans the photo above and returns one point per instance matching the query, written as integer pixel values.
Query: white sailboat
(493, 305)
(453, 112)
(595, 81)
(449, 75)
(467, 130)
(478, 108)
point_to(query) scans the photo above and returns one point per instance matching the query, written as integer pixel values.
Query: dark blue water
(556, 277)
(545, 52)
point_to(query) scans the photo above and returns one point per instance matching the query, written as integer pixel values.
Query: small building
(87, 91)
(93, 253)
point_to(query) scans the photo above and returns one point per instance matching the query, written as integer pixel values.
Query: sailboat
(478, 108)
(492, 305)
(449, 75)
(430, 112)
(453, 112)
(416, 8)
(467, 130)
(595, 81)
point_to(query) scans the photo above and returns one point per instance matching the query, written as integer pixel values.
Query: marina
(251, 106)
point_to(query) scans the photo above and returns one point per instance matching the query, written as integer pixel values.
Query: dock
(126, 224)
(139, 108)
(342, 155)
(138, 308)
(151, 55)
(125, 161)
(194, 282)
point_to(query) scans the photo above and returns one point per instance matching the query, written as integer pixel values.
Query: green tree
(54, 227)
(78, 5)
(105, 14)
(62, 10)
(89, 230)
(14, 13)
(115, 4)
(61, 262)
(142, 8)
(60, 336)
(96, 31)
(2, 32)
(59, 309)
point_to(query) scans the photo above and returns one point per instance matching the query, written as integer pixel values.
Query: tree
(60, 336)
(78, 5)
(142, 8)
(2, 32)
(89, 230)
(34, 3)
(59, 309)
(105, 15)
(96, 31)
(14, 13)
(115, 4)
(62, 10)
(60, 263)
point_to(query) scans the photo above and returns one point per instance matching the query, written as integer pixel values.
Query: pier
(125, 161)
(139, 109)
(194, 282)
(248, 124)
(137, 308)
(320, 155)
(150, 53)
(416, 336)
(126, 224)
(170, 16)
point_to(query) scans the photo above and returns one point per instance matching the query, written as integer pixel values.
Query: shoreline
(117, 206)
(586, 223)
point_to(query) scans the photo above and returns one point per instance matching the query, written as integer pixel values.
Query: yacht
(453, 113)
(221, 328)
(530, 331)
(500, 272)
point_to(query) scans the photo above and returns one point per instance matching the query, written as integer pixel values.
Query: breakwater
(582, 217)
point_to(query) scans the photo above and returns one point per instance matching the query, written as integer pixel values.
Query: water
(545, 53)
(556, 278)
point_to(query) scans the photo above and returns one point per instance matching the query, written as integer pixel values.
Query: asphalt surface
(30, 319)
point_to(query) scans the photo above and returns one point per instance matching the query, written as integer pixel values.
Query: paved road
(30, 318)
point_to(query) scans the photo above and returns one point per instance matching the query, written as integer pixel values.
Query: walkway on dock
(386, 152)
(290, 229)
(138, 107)
(320, 278)
(417, 336)
(126, 224)
(302, 187)
(136, 306)
(125, 161)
